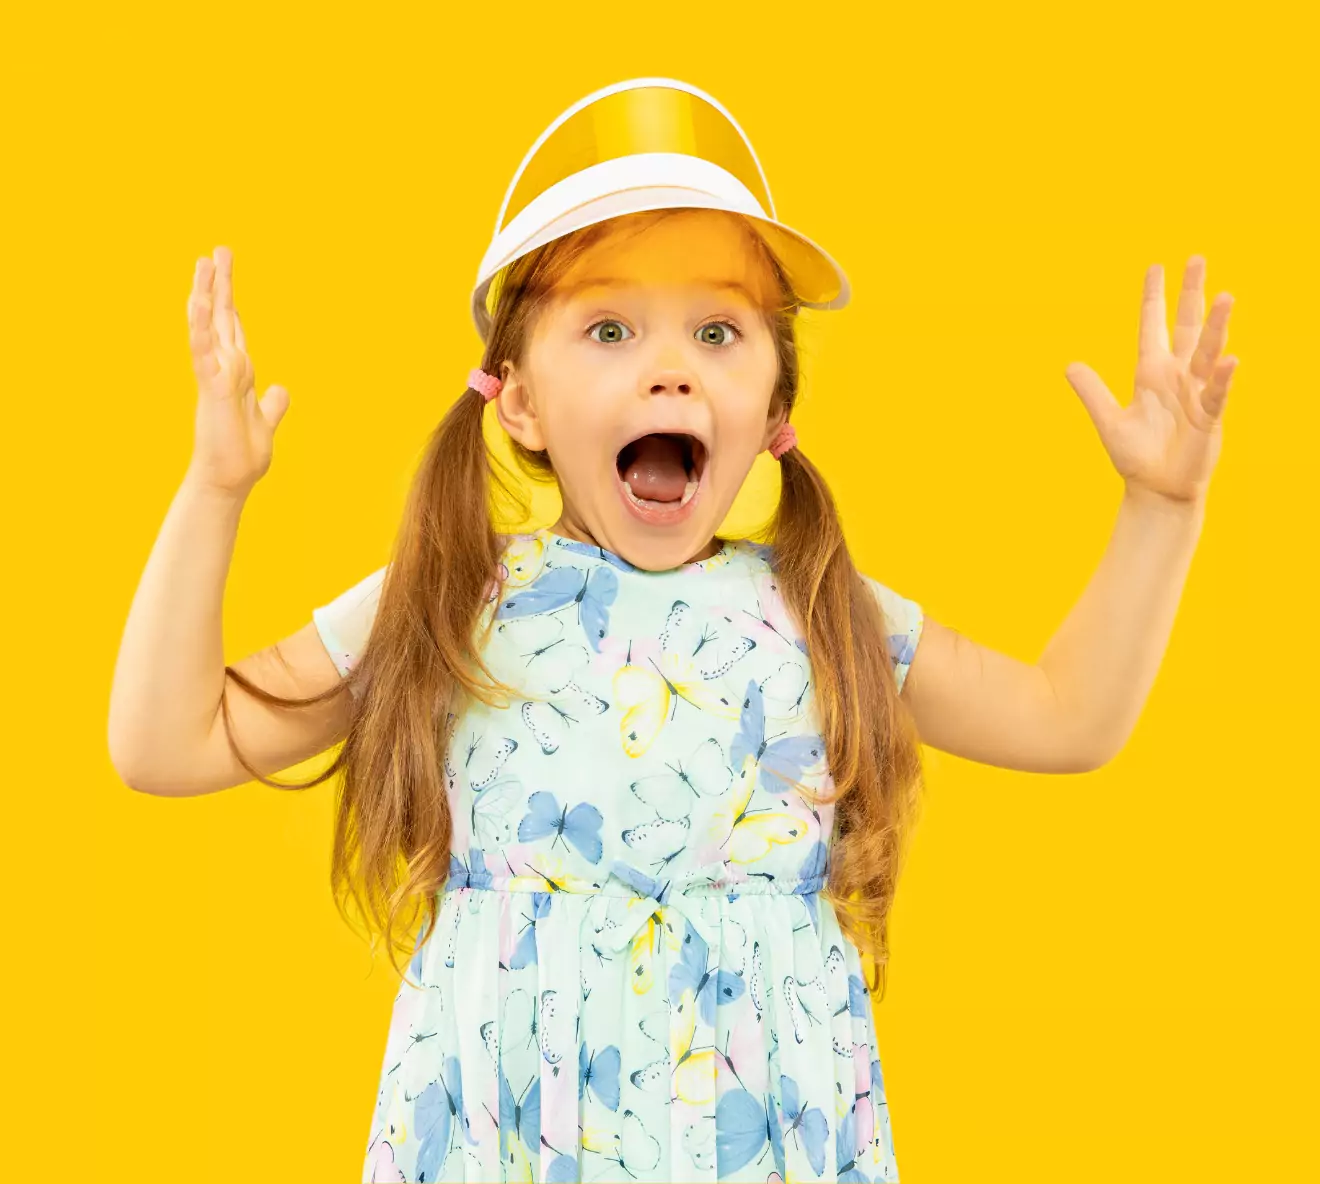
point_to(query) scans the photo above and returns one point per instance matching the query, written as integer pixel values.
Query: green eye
(611, 331)
(717, 333)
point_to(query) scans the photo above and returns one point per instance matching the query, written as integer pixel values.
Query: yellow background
(1094, 978)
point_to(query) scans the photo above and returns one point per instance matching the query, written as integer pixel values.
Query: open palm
(1167, 439)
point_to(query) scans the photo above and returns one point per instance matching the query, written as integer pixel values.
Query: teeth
(688, 490)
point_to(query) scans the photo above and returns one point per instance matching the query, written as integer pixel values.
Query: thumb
(1100, 404)
(274, 403)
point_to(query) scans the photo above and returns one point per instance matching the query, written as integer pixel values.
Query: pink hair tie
(487, 384)
(783, 441)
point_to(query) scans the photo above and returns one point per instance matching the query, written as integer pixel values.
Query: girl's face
(648, 378)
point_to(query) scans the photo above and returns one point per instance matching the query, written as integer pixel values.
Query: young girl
(650, 786)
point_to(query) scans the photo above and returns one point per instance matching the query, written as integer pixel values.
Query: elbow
(130, 774)
(133, 771)
(1086, 762)
(1086, 756)
(124, 749)
(121, 762)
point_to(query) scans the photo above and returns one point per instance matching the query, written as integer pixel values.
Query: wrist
(196, 488)
(1148, 501)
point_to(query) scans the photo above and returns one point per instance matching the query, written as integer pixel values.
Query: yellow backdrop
(1095, 977)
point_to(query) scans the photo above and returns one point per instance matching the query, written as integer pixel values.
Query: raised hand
(1167, 439)
(234, 430)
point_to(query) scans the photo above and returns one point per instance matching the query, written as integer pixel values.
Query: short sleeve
(903, 621)
(345, 623)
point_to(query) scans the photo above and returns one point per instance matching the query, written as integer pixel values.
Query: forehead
(685, 249)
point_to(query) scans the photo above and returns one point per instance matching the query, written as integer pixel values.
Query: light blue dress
(634, 975)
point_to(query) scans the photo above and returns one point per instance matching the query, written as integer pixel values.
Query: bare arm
(1074, 709)
(170, 669)
(165, 732)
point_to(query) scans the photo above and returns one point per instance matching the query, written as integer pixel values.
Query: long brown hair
(392, 824)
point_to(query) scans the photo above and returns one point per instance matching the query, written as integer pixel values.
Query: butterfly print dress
(634, 975)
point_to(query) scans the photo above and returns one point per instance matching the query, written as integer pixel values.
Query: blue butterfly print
(600, 1073)
(809, 1123)
(640, 882)
(811, 877)
(563, 1169)
(520, 1118)
(415, 966)
(559, 587)
(779, 760)
(743, 1129)
(472, 874)
(858, 1003)
(594, 552)
(438, 1110)
(901, 647)
(845, 1150)
(693, 974)
(524, 953)
(877, 1080)
(580, 825)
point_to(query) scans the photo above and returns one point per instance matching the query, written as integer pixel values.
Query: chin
(652, 554)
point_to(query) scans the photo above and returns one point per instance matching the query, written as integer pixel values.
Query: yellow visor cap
(645, 144)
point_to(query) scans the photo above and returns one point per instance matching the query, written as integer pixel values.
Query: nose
(671, 382)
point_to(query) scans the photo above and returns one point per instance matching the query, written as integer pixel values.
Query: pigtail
(421, 656)
(870, 738)
(448, 552)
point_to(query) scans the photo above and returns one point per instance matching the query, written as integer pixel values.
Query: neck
(571, 527)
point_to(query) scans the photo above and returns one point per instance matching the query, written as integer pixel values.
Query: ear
(515, 410)
(775, 420)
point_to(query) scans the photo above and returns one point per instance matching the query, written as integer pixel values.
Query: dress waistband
(624, 880)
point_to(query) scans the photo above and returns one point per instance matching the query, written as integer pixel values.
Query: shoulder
(904, 618)
(344, 623)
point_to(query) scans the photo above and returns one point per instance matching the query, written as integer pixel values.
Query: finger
(1154, 335)
(238, 332)
(1216, 390)
(1097, 398)
(222, 297)
(274, 403)
(1191, 308)
(1214, 335)
(201, 342)
(202, 278)
(201, 339)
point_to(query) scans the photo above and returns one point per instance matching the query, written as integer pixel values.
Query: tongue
(655, 469)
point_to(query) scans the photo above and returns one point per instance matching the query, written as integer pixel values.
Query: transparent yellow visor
(641, 119)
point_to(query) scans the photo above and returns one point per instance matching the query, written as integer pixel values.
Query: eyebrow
(577, 286)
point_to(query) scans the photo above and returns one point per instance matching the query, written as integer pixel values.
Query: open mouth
(660, 473)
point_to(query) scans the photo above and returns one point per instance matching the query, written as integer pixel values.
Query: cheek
(574, 415)
(567, 398)
(744, 409)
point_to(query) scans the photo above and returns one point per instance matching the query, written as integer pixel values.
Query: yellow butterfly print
(751, 833)
(693, 662)
(597, 1140)
(642, 952)
(519, 1165)
(693, 1078)
(523, 559)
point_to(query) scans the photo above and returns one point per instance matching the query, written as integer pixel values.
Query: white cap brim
(638, 181)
